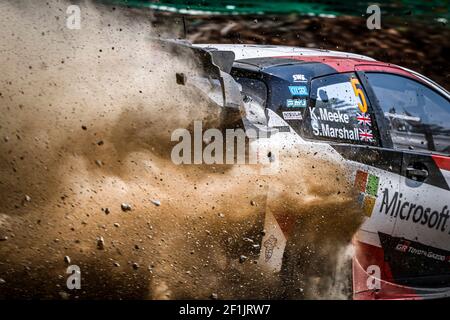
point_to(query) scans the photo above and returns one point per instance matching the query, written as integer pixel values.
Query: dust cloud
(86, 177)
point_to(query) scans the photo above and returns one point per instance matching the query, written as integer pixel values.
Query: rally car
(391, 123)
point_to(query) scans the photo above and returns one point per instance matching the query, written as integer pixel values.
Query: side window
(254, 95)
(418, 117)
(339, 111)
(254, 89)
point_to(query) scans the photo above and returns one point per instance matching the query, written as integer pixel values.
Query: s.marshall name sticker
(326, 130)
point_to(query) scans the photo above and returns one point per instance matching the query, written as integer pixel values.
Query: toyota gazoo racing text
(391, 127)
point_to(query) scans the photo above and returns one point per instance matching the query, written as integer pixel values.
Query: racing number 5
(359, 93)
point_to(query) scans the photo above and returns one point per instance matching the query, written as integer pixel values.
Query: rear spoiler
(215, 67)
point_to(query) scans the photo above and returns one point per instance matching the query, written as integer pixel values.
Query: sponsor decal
(403, 246)
(396, 206)
(367, 185)
(365, 135)
(299, 77)
(298, 90)
(406, 246)
(364, 119)
(296, 103)
(292, 115)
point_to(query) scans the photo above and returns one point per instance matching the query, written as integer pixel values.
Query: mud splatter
(86, 121)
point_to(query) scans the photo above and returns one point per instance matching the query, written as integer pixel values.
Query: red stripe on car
(342, 64)
(442, 162)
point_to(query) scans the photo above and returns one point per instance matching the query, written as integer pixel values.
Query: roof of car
(248, 51)
(260, 57)
(266, 56)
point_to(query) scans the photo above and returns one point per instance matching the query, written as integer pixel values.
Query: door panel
(425, 203)
(376, 170)
(418, 249)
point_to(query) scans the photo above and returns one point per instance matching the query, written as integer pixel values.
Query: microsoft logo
(367, 185)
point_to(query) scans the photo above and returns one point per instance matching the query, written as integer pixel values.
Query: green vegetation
(434, 9)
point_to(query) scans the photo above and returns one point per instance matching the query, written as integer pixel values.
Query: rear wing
(215, 66)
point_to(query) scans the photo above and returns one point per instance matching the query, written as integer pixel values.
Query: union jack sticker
(365, 135)
(364, 119)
